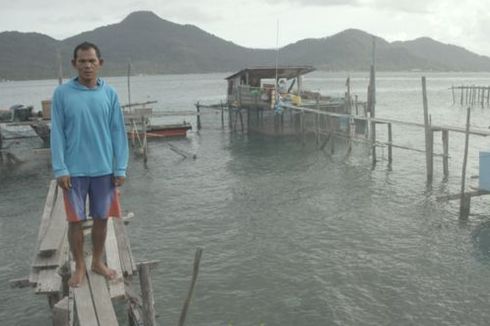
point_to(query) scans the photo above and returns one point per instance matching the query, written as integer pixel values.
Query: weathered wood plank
(20, 283)
(101, 297)
(56, 259)
(56, 230)
(128, 264)
(49, 281)
(116, 286)
(83, 303)
(45, 217)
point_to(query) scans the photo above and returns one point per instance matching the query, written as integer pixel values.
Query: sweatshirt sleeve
(119, 139)
(57, 137)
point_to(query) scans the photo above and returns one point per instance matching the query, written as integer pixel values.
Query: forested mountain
(157, 46)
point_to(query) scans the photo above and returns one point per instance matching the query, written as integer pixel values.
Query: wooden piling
(428, 134)
(195, 272)
(198, 116)
(445, 150)
(464, 206)
(149, 316)
(372, 111)
(390, 147)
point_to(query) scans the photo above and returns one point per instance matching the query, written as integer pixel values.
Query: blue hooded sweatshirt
(88, 136)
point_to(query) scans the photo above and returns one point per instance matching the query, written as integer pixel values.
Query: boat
(138, 116)
(164, 130)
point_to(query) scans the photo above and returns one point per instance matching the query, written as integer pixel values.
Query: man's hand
(118, 181)
(64, 182)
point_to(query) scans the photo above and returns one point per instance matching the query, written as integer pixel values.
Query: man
(89, 150)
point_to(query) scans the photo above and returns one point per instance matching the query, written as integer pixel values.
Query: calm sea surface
(292, 235)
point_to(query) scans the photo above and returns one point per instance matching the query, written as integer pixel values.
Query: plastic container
(484, 173)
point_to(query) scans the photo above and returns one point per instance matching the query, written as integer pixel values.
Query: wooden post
(482, 97)
(241, 118)
(462, 95)
(129, 84)
(464, 205)
(452, 91)
(445, 150)
(198, 116)
(147, 294)
(61, 313)
(302, 121)
(488, 95)
(390, 147)
(195, 272)
(428, 134)
(372, 110)
(222, 114)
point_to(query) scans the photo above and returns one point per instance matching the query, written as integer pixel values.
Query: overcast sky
(253, 23)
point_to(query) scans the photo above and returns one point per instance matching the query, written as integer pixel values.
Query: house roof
(270, 72)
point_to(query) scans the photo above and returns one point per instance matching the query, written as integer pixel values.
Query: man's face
(87, 64)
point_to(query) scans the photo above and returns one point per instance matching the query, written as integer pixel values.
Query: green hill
(157, 46)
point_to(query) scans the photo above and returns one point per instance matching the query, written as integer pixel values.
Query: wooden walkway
(91, 303)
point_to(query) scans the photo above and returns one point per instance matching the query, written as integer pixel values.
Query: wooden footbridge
(91, 303)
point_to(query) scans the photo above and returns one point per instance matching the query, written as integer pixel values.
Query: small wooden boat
(169, 130)
(165, 131)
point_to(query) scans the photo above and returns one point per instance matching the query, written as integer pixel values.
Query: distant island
(157, 46)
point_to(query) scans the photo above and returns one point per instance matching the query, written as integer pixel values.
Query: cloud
(322, 3)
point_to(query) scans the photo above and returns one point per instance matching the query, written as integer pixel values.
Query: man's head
(87, 61)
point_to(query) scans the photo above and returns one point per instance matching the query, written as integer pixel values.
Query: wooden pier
(346, 121)
(91, 303)
(471, 95)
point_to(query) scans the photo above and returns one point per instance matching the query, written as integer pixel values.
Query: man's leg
(75, 237)
(99, 232)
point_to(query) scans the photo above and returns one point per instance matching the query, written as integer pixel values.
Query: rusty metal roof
(270, 72)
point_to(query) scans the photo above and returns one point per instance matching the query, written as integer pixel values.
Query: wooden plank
(54, 235)
(45, 217)
(116, 286)
(49, 281)
(106, 315)
(20, 283)
(84, 305)
(56, 259)
(474, 193)
(128, 264)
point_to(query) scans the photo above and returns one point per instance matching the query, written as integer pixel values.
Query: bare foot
(76, 278)
(102, 269)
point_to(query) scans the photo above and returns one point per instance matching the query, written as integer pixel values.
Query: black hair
(86, 46)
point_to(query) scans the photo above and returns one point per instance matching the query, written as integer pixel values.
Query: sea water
(292, 235)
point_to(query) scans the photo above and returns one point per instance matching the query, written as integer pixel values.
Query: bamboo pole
(372, 111)
(390, 147)
(129, 83)
(465, 201)
(428, 134)
(195, 272)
